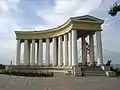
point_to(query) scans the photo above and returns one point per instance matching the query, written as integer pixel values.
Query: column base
(60, 65)
(54, 65)
(65, 65)
(92, 64)
(69, 65)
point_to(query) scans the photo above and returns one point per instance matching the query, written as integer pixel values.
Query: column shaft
(65, 50)
(40, 56)
(91, 50)
(84, 51)
(29, 53)
(54, 51)
(33, 53)
(18, 52)
(47, 51)
(26, 53)
(99, 48)
(74, 48)
(37, 53)
(70, 49)
(60, 51)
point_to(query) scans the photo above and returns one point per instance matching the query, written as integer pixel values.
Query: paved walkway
(59, 82)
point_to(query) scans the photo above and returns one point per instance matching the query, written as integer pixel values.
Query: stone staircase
(92, 71)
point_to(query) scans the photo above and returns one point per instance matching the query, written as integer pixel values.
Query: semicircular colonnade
(64, 39)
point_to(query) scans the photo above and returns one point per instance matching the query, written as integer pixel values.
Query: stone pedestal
(77, 71)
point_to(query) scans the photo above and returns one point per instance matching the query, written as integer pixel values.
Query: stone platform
(93, 71)
(75, 70)
(39, 68)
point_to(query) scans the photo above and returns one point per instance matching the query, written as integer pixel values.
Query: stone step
(94, 73)
(95, 68)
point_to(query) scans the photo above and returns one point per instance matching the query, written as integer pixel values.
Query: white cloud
(8, 4)
(54, 16)
(8, 24)
(66, 8)
(7, 20)
(76, 6)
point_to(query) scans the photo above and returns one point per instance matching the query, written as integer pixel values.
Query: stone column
(99, 48)
(84, 51)
(70, 49)
(18, 52)
(29, 53)
(54, 51)
(26, 53)
(40, 52)
(37, 52)
(65, 50)
(74, 48)
(47, 51)
(91, 50)
(60, 51)
(33, 53)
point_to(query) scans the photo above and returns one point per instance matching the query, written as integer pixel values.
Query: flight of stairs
(92, 71)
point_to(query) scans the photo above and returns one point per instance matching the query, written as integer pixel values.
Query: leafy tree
(114, 9)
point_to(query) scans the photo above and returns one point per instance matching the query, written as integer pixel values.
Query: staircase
(92, 71)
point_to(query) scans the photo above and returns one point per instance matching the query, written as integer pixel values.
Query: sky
(16, 15)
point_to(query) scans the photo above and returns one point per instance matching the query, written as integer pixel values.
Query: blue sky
(42, 14)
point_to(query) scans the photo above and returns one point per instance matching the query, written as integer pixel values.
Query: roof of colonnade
(81, 23)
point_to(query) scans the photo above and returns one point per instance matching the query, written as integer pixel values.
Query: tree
(114, 9)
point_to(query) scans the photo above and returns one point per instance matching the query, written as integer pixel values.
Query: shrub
(115, 70)
(31, 74)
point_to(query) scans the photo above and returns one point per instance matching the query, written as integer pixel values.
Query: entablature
(82, 24)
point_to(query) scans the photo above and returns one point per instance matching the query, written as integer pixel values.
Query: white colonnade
(63, 54)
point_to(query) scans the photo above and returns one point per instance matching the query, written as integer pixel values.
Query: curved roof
(85, 22)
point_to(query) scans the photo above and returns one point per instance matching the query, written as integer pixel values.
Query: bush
(31, 74)
(115, 70)
(2, 66)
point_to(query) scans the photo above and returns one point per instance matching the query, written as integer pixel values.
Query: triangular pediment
(88, 18)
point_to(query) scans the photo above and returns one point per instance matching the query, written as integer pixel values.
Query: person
(108, 62)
